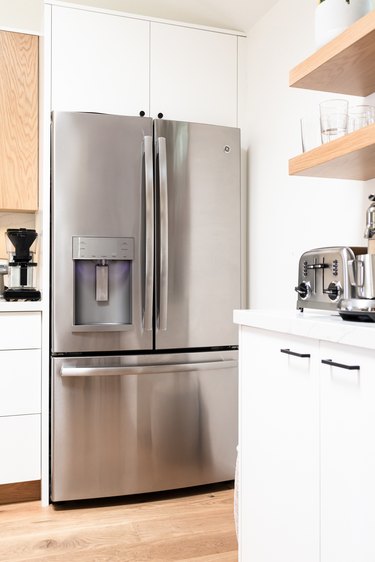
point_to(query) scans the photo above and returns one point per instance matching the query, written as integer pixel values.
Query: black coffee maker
(21, 271)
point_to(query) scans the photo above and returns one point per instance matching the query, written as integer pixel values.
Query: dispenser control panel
(102, 248)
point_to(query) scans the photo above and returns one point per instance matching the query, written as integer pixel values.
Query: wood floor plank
(195, 526)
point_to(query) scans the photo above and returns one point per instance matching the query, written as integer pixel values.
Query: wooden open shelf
(349, 157)
(345, 65)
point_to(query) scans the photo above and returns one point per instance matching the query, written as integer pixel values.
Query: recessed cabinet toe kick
(145, 277)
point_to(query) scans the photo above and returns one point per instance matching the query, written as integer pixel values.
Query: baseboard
(20, 492)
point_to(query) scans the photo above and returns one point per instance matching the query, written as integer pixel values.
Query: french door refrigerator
(145, 277)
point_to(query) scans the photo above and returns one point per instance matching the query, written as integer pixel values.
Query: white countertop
(20, 306)
(321, 325)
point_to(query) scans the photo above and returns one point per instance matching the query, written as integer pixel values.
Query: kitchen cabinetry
(307, 449)
(347, 455)
(111, 63)
(20, 401)
(100, 62)
(193, 75)
(344, 65)
(279, 477)
(19, 122)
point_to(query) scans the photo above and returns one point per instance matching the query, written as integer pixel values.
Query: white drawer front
(20, 448)
(20, 330)
(20, 382)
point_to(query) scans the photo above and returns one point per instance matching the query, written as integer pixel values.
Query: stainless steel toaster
(323, 277)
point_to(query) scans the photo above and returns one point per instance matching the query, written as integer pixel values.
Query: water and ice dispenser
(102, 282)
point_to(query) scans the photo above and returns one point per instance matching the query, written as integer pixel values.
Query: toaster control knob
(303, 290)
(333, 291)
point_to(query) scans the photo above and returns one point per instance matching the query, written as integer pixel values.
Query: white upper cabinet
(100, 62)
(110, 63)
(193, 75)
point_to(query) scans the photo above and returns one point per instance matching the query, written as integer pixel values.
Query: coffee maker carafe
(21, 272)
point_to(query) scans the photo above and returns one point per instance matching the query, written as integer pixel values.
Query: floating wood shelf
(345, 65)
(349, 157)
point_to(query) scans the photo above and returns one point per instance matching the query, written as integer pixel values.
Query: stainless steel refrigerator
(145, 277)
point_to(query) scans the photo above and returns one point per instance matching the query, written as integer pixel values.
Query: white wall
(289, 215)
(21, 15)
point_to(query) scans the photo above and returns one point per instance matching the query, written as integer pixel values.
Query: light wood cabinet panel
(19, 122)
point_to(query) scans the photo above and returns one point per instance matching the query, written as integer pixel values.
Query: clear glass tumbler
(360, 116)
(333, 119)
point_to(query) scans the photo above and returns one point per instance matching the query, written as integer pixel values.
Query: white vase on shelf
(332, 17)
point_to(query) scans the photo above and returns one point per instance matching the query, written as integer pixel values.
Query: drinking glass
(310, 132)
(333, 119)
(360, 116)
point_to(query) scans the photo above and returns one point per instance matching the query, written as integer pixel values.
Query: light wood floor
(195, 526)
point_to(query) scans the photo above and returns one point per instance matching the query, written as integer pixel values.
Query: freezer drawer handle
(149, 250)
(146, 369)
(340, 365)
(295, 354)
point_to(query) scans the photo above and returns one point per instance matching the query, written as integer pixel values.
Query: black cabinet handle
(340, 365)
(288, 352)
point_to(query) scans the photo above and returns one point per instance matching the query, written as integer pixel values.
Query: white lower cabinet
(20, 448)
(307, 484)
(20, 396)
(347, 454)
(279, 477)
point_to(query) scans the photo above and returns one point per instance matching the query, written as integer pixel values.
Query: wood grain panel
(191, 525)
(19, 121)
(20, 492)
(349, 157)
(344, 65)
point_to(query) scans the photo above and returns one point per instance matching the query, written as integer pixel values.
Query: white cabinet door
(100, 62)
(193, 75)
(348, 455)
(20, 448)
(279, 448)
(20, 330)
(20, 382)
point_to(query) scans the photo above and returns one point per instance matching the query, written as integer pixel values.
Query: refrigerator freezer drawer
(145, 369)
(171, 422)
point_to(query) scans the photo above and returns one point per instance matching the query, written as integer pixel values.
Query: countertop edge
(319, 325)
(21, 306)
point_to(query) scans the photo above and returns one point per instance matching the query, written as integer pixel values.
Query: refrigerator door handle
(146, 369)
(163, 185)
(149, 250)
